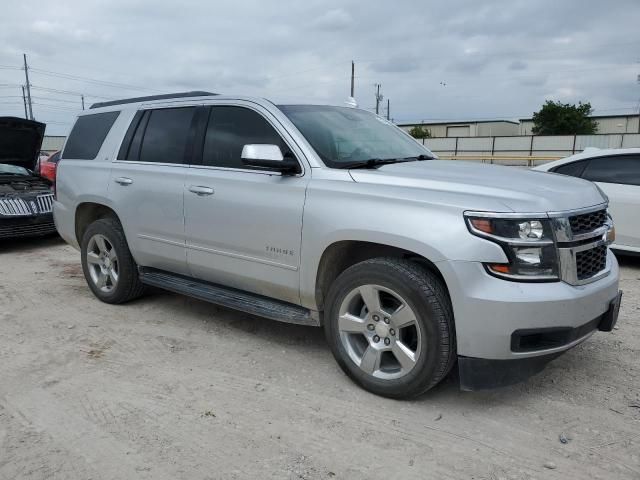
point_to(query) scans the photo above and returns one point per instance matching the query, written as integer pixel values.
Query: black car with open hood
(25, 198)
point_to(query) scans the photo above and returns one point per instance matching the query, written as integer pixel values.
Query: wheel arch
(89, 212)
(340, 255)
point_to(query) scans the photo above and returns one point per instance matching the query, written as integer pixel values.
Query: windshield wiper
(419, 157)
(373, 163)
(377, 162)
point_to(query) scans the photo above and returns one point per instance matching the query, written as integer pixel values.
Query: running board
(229, 297)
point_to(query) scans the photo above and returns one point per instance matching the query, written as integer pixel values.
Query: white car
(617, 173)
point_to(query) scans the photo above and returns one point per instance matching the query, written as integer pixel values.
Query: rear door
(619, 178)
(244, 226)
(147, 183)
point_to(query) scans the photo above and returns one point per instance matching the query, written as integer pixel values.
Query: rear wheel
(109, 268)
(390, 326)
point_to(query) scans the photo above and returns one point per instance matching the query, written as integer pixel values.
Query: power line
(93, 80)
(71, 92)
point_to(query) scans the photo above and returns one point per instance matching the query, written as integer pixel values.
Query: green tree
(556, 118)
(420, 132)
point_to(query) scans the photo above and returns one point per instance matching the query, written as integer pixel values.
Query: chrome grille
(591, 262)
(582, 244)
(14, 207)
(587, 222)
(45, 203)
(19, 207)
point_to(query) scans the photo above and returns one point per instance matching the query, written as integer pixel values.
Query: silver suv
(334, 217)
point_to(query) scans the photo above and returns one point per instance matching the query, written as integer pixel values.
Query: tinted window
(87, 135)
(624, 169)
(165, 138)
(573, 169)
(231, 128)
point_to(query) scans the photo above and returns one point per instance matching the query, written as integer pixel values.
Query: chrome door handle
(123, 181)
(201, 191)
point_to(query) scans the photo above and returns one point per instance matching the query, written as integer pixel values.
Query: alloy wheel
(102, 262)
(379, 331)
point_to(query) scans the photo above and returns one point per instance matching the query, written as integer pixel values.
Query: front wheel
(389, 323)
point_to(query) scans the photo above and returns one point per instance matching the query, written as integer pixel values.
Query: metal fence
(534, 149)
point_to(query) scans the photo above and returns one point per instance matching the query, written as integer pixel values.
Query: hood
(481, 187)
(20, 141)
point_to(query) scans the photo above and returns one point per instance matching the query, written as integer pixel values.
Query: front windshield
(6, 169)
(343, 136)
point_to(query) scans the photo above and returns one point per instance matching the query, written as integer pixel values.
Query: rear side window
(573, 169)
(622, 169)
(158, 136)
(231, 128)
(88, 134)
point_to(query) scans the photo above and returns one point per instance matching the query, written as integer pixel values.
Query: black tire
(426, 294)
(128, 286)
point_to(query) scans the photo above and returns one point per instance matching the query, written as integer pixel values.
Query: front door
(243, 227)
(619, 178)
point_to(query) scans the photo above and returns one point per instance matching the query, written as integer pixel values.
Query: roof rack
(166, 96)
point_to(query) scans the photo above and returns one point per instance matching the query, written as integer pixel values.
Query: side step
(229, 297)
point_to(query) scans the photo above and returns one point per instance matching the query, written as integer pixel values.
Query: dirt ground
(172, 388)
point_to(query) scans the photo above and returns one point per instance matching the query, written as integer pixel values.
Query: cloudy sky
(434, 59)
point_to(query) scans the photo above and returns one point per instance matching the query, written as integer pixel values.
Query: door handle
(201, 191)
(123, 181)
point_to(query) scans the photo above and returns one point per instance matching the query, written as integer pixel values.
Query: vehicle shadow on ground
(221, 318)
(19, 245)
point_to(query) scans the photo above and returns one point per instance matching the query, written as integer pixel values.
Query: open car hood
(20, 141)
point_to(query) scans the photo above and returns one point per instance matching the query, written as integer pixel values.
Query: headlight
(527, 242)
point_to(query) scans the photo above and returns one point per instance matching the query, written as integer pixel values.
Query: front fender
(434, 231)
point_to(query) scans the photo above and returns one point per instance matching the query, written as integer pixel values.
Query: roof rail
(152, 97)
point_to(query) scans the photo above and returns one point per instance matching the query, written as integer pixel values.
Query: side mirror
(268, 157)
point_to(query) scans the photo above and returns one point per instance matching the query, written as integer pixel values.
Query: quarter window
(229, 129)
(88, 134)
(573, 169)
(165, 138)
(623, 169)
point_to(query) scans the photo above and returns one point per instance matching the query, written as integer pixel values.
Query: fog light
(531, 230)
(529, 256)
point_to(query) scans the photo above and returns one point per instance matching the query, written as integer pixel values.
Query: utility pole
(28, 85)
(388, 110)
(378, 98)
(24, 100)
(353, 72)
(82, 98)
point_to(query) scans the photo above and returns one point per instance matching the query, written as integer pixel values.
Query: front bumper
(481, 373)
(33, 226)
(489, 310)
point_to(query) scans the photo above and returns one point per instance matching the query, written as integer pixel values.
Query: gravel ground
(172, 388)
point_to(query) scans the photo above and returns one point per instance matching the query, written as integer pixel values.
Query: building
(606, 124)
(467, 128)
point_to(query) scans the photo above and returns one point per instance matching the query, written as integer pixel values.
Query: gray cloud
(399, 64)
(500, 58)
(517, 65)
(333, 20)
